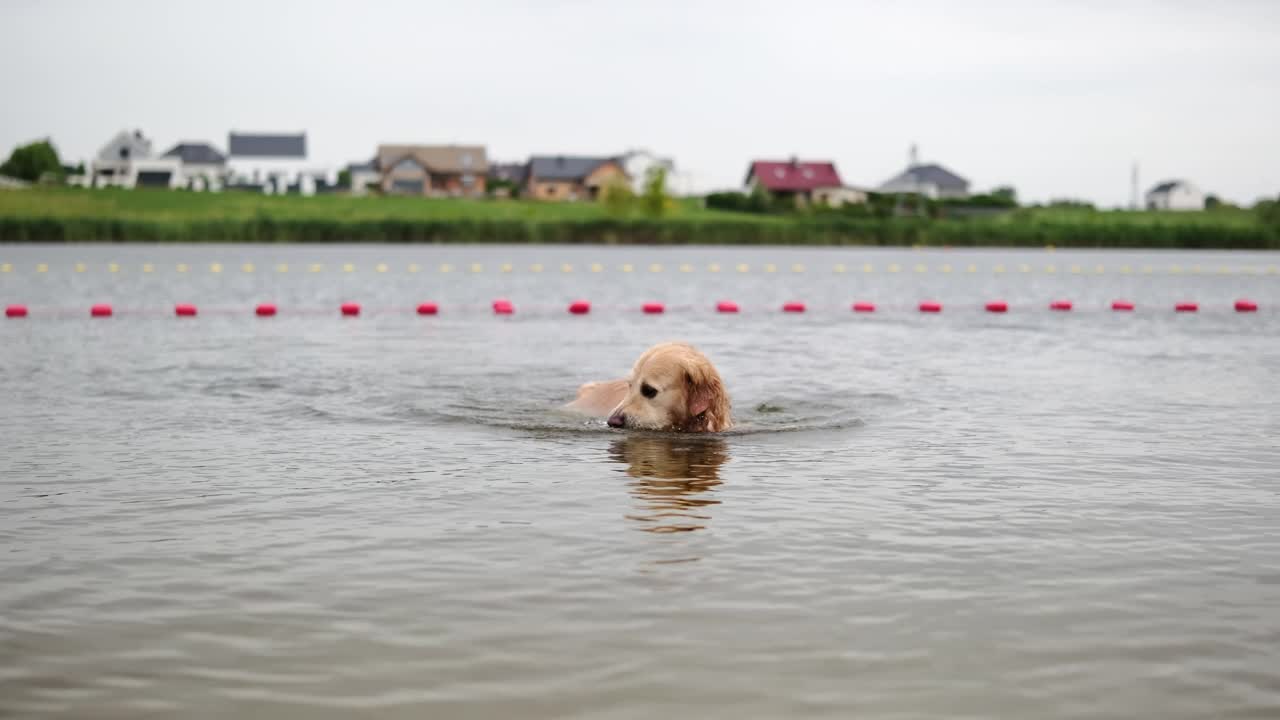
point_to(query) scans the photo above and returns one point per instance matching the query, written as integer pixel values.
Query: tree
(1007, 194)
(1268, 211)
(344, 179)
(30, 162)
(655, 199)
(617, 196)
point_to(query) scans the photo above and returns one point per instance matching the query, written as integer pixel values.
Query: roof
(366, 166)
(564, 167)
(196, 154)
(1166, 186)
(512, 172)
(436, 158)
(273, 146)
(931, 174)
(790, 175)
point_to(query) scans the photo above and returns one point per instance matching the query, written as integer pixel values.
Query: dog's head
(673, 387)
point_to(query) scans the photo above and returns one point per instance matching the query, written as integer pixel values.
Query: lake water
(961, 515)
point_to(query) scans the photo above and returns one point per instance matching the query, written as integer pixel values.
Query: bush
(617, 197)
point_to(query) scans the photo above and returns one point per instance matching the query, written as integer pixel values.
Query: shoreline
(49, 215)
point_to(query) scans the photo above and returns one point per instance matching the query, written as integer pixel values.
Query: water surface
(1034, 515)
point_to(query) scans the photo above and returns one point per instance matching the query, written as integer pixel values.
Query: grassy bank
(71, 215)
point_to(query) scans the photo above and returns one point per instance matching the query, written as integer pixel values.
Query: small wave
(766, 416)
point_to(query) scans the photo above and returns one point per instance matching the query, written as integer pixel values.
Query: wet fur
(691, 396)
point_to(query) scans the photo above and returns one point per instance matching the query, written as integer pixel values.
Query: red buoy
(864, 307)
(184, 310)
(579, 307)
(930, 306)
(15, 311)
(653, 308)
(266, 310)
(1061, 305)
(350, 309)
(1186, 307)
(428, 308)
(1246, 306)
(794, 306)
(997, 306)
(1122, 306)
(100, 310)
(727, 306)
(503, 307)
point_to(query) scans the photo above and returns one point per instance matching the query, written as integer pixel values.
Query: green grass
(71, 215)
(166, 207)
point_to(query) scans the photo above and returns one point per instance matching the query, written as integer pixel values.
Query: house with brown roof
(433, 170)
(805, 182)
(566, 177)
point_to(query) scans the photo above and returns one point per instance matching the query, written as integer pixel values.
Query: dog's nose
(617, 420)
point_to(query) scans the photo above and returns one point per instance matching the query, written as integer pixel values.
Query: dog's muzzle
(617, 420)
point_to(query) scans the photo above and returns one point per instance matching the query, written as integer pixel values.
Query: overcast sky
(1055, 98)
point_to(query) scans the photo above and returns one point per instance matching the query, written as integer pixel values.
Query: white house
(115, 164)
(363, 175)
(203, 166)
(272, 163)
(164, 173)
(1175, 195)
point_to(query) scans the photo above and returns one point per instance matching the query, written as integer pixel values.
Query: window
(779, 172)
(466, 160)
(808, 173)
(407, 165)
(468, 179)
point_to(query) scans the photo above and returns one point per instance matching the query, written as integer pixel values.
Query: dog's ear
(706, 395)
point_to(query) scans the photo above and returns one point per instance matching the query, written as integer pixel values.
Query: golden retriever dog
(672, 387)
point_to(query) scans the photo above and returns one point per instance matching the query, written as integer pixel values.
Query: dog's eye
(648, 390)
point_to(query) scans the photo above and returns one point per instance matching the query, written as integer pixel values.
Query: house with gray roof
(572, 177)
(273, 163)
(931, 181)
(1175, 195)
(203, 165)
(928, 179)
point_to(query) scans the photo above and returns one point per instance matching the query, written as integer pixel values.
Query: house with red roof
(805, 182)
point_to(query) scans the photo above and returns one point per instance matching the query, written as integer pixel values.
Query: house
(929, 180)
(804, 182)
(203, 167)
(1175, 195)
(514, 173)
(159, 173)
(362, 176)
(115, 165)
(433, 170)
(506, 179)
(272, 163)
(567, 177)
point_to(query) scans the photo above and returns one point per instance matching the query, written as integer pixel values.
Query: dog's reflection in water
(672, 479)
